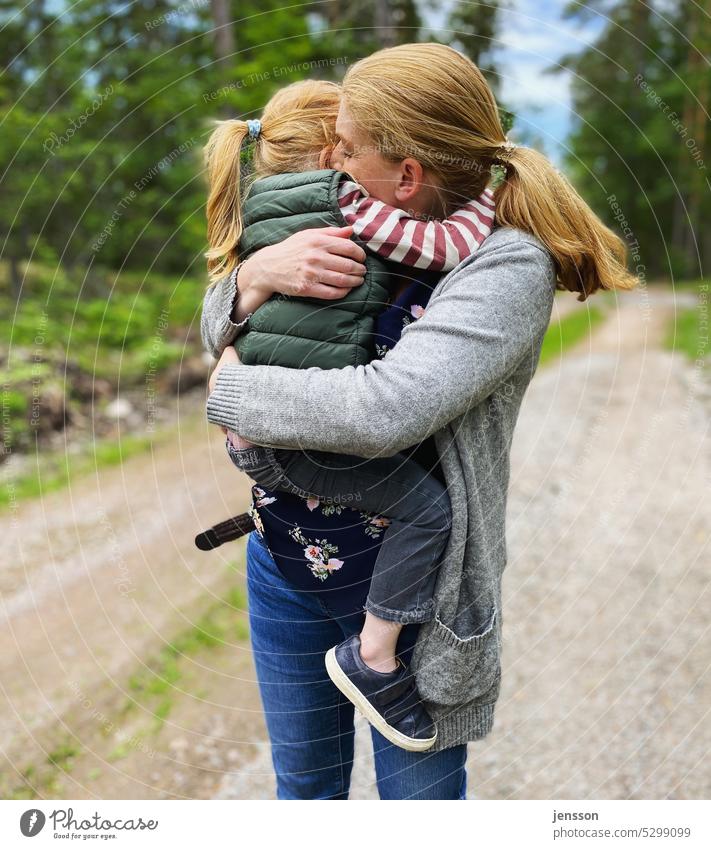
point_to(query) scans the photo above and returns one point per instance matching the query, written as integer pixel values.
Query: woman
(419, 128)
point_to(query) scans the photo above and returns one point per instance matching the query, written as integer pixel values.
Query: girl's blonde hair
(297, 124)
(429, 102)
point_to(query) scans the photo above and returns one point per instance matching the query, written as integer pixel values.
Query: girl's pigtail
(224, 209)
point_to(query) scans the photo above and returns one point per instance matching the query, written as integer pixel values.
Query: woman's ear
(410, 180)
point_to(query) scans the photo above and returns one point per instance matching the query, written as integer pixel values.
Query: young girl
(294, 136)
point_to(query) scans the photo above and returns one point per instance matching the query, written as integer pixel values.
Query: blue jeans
(310, 722)
(416, 504)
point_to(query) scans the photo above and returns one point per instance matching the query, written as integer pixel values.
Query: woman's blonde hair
(297, 124)
(431, 103)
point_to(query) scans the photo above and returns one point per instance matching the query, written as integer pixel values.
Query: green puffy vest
(304, 332)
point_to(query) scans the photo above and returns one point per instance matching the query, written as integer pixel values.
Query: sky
(533, 37)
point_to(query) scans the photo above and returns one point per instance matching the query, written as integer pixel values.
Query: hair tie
(505, 149)
(254, 127)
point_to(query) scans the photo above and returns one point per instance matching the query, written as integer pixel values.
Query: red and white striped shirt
(392, 233)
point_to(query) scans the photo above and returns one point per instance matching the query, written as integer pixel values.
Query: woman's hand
(229, 355)
(319, 263)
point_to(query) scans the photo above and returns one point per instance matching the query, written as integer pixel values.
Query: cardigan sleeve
(489, 316)
(216, 326)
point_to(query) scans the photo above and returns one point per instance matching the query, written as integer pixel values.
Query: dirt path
(607, 684)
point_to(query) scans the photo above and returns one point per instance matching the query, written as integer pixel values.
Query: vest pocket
(453, 668)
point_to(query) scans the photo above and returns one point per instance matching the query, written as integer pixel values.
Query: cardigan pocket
(453, 669)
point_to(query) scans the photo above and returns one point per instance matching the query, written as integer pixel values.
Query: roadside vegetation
(688, 330)
(88, 367)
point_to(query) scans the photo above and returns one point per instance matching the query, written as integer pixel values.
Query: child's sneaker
(388, 700)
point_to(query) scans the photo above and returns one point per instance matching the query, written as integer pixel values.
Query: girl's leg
(415, 503)
(378, 642)
(419, 513)
(310, 722)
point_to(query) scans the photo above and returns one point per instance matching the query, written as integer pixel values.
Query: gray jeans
(416, 503)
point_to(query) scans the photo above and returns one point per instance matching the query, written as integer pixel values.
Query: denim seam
(342, 780)
(240, 454)
(275, 466)
(404, 617)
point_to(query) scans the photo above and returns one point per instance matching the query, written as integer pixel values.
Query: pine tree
(473, 28)
(624, 143)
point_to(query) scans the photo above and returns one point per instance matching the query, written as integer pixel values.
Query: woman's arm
(321, 262)
(489, 317)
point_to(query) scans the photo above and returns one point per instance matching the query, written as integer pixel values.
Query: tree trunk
(15, 278)
(223, 30)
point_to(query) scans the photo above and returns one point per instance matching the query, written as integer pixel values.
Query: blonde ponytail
(223, 154)
(538, 199)
(429, 102)
(297, 124)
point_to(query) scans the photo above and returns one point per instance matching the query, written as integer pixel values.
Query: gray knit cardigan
(460, 373)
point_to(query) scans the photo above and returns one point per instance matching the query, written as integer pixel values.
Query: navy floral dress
(330, 549)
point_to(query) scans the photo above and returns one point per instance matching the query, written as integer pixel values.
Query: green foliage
(131, 316)
(15, 416)
(567, 332)
(474, 28)
(106, 106)
(153, 686)
(688, 330)
(641, 100)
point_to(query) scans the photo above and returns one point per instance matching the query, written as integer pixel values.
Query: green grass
(119, 328)
(58, 471)
(118, 312)
(689, 285)
(153, 688)
(688, 329)
(571, 329)
(63, 756)
(43, 781)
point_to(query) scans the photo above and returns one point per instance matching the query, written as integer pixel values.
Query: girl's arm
(395, 234)
(322, 262)
(487, 320)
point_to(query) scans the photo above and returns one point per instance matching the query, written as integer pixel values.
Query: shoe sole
(353, 694)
